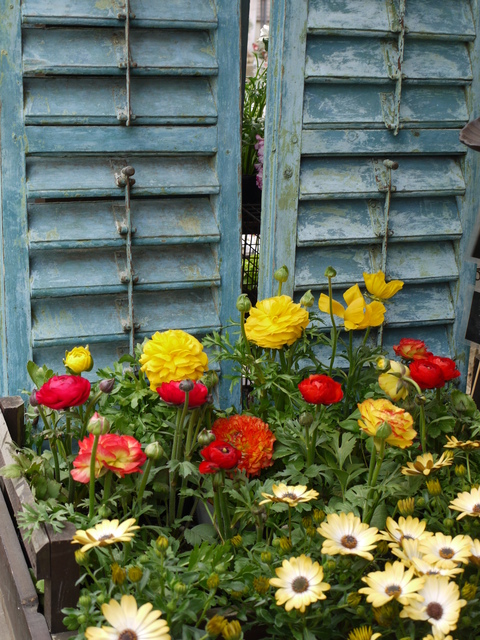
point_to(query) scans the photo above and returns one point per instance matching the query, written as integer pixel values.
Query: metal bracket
(125, 181)
(395, 72)
(125, 115)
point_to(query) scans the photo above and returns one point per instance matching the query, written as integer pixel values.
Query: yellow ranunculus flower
(378, 288)
(275, 322)
(78, 359)
(358, 314)
(395, 385)
(173, 355)
(375, 412)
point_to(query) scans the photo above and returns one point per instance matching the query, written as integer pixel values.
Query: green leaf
(348, 444)
(201, 532)
(11, 471)
(39, 375)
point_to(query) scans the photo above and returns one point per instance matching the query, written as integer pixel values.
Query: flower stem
(244, 335)
(467, 458)
(143, 484)
(423, 430)
(107, 486)
(92, 477)
(334, 326)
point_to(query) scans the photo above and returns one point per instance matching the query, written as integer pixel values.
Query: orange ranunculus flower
(395, 386)
(358, 314)
(375, 412)
(378, 288)
(249, 435)
(275, 322)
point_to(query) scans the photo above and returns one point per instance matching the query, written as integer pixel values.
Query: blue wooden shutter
(65, 75)
(337, 109)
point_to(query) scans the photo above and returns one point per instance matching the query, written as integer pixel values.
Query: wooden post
(13, 411)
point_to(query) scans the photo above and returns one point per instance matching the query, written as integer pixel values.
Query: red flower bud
(320, 389)
(411, 349)
(448, 367)
(219, 455)
(170, 392)
(427, 374)
(65, 391)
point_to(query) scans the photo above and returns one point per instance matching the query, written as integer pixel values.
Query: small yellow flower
(354, 599)
(135, 574)
(395, 381)
(213, 581)
(345, 534)
(378, 288)
(236, 540)
(434, 487)
(375, 412)
(118, 574)
(467, 445)
(276, 322)
(172, 355)
(232, 631)
(385, 615)
(469, 591)
(300, 583)
(406, 506)
(285, 544)
(291, 495)
(358, 314)
(215, 626)
(261, 584)
(425, 465)
(105, 533)
(468, 503)
(363, 633)
(79, 359)
(394, 583)
(81, 558)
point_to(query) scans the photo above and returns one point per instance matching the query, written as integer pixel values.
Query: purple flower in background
(259, 166)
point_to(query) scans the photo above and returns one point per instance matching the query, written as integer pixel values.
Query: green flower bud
(266, 557)
(420, 502)
(330, 565)
(285, 545)
(448, 523)
(460, 470)
(161, 543)
(104, 512)
(100, 599)
(213, 581)
(318, 516)
(420, 399)
(307, 300)
(186, 385)
(353, 599)
(466, 621)
(360, 611)
(98, 425)
(305, 419)
(85, 601)
(330, 272)
(205, 437)
(434, 487)
(281, 275)
(82, 618)
(462, 403)
(243, 303)
(81, 558)
(106, 386)
(236, 540)
(135, 574)
(261, 585)
(118, 574)
(210, 379)
(180, 588)
(154, 451)
(384, 431)
(469, 591)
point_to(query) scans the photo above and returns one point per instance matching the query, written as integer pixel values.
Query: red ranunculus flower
(61, 392)
(251, 436)
(171, 393)
(219, 455)
(448, 367)
(320, 389)
(427, 374)
(411, 349)
(120, 454)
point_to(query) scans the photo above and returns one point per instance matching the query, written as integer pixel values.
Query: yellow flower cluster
(276, 322)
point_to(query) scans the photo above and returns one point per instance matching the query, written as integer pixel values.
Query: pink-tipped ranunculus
(170, 392)
(61, 392)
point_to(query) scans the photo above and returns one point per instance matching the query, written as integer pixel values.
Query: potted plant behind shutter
(354, 90)
(121, 191)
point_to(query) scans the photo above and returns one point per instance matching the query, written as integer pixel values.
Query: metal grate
(250, 250)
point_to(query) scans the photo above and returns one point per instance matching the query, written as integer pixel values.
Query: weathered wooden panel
(360, 221)
(350, 105)
(190, 14)
(63, 273)
(439, 339)
(322, 178)
(367, 142)
(95, 177)
(371, 60)
(102, 51)
(97, 101)
(94, 319)
(427, 18)
(97, 223)
(82, 140)
(435, 262)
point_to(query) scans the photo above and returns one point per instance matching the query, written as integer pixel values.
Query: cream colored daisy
(407, 550)
(300, 583)
(440, 548)
(441, 605)
(394, 583)
(437, 637)
(363, 633)
(405, 529)
(347, 534)
(291, 495)
(468, 503)
(475, 552)
(105, 533)
(425, 465)
(130, 623)
(423, 568)
(467, 445)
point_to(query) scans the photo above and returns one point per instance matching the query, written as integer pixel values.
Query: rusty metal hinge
(125, 115)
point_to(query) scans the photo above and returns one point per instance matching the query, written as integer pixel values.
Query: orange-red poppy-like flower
(375, 412)
(411, 349)
(249, 435)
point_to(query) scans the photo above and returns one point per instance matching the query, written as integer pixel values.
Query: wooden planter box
(50, 555)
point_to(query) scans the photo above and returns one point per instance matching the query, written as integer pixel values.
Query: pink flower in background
(259, 166)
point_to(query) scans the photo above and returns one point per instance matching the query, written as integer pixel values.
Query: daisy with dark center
(300, 583)
(130, 622)
(468, 503)
(441, 605)
(475, 552)
(394, 583)
(291, 495)
(423, 568)
(105, 533)
(405, 529)
(363, 633)
(467, 445)
(440, 548)
(346, 534)
(407, 550)
(425, 465)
